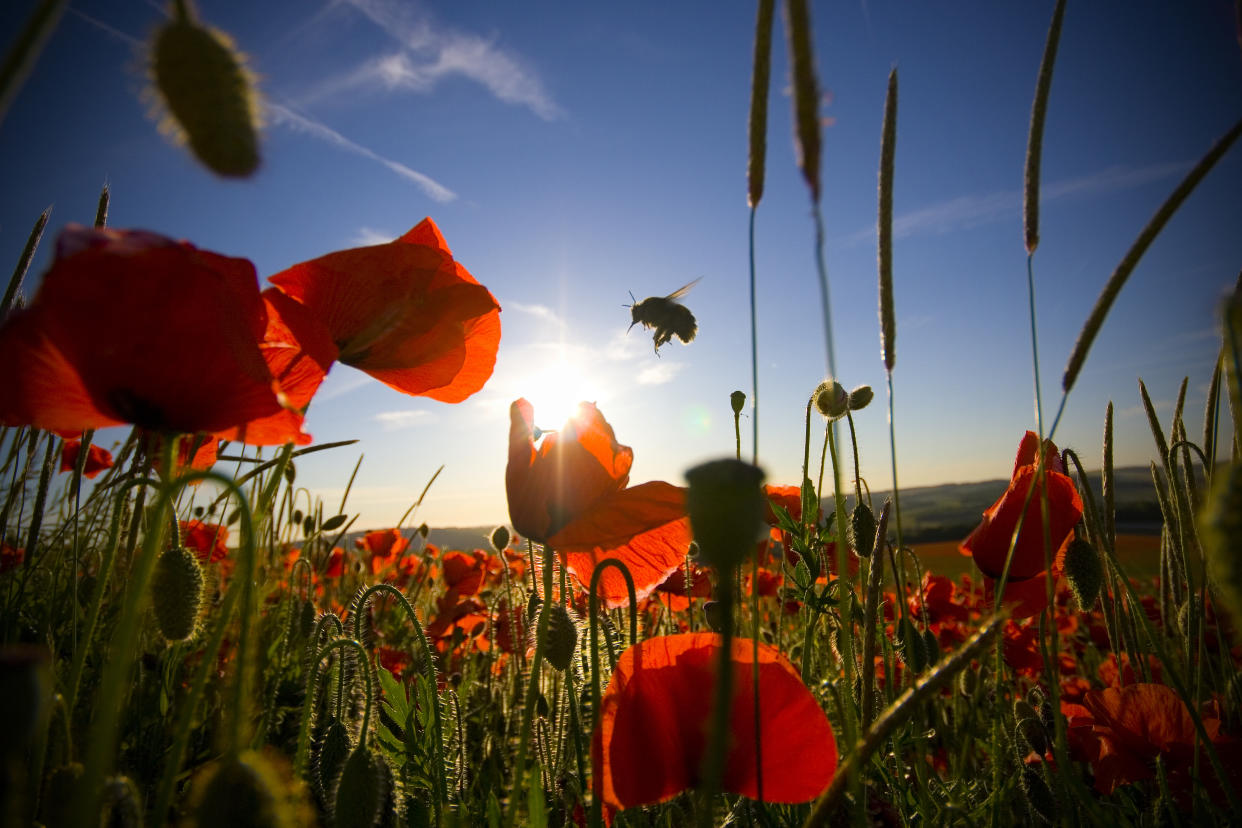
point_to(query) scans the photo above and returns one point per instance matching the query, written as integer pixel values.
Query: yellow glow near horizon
(556, 388)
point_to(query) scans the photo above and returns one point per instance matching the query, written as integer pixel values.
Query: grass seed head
(177, 590)
(208, 94)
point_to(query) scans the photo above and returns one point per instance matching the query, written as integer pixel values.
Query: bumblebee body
(666, 316)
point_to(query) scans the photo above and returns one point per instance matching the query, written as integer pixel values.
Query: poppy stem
(532, 690)
(722, 703)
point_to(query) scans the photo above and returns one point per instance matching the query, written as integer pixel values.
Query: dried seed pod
(209, 95)
(177, 593)
(737, 401)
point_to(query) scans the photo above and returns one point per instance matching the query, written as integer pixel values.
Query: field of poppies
(191, 640)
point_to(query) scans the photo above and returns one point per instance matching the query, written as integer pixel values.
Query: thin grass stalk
(875, 576)
(1035, 137)
(102, 750)
(532, 690)
(95, 602)
(898, 714)
(1116, 282)
(24, 52)
(1211, 416)
(597, 781)
(23, 263)
(1174, 679)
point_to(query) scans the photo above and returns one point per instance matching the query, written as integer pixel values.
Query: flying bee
(666, 315)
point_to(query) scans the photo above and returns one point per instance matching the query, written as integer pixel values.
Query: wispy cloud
(659, 373)
(433, 53)
(968, 211)
(366, 237)
(540, 312)
(286, 117)
(398, 420)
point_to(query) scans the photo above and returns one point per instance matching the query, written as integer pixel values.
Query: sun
(557, 386)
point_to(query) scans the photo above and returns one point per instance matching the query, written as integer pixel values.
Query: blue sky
(572, 153)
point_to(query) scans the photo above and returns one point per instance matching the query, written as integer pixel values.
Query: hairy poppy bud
(500, 538)
(306, 619)
(209, 95)
(247, 789)
(122, 805)
(726, 505)
(558, 649)
(361, 791)
(931, 647)
(532, 606)
(332, 754)
(177, 593)
(738, 401)
(1039, 795)
(1221, 530)
(831, 399)
(862, 530)
(1084, 572)
(910, 645)
(861, 397)
(1030, 736)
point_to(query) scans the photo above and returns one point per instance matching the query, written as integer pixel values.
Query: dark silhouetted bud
(726, 505)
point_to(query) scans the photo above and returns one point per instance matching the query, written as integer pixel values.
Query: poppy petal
(643, 526)
(652, 734)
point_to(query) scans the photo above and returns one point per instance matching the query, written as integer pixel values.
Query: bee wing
(681, 291)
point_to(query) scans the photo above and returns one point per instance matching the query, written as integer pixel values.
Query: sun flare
(556, 388)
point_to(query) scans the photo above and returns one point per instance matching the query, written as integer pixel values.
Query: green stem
(532, 691)
(597, 781)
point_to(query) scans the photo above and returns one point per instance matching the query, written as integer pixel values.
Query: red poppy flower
(571, 493)
(97, 458)
(207, 540)
(298, 352)
(989, 542)
(405, 312)
(654, 717)
(11, 557)
(132, 327)
(383, 546)
(464, 573)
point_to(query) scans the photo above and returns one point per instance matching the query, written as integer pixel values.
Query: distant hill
(928, 513)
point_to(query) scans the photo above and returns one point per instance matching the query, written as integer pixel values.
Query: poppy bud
(861, 397)
(209, 94)
(308, 526)
(1221, 531)
(931, 647)
(726, 505)
(532, 606)
(713, 613)
(831, 399)
(500, 538)
(737, 400)
(910, 645)
(862, 530)
(562, 638)
(361, 791)
(306, 619)
(122, 805)
(1039, 795)
(243, 790)
(967, 682)
(1030, 736)
(332, 754)
(424, 529)
(177, 593)
(59, 795)
(1084, 572)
